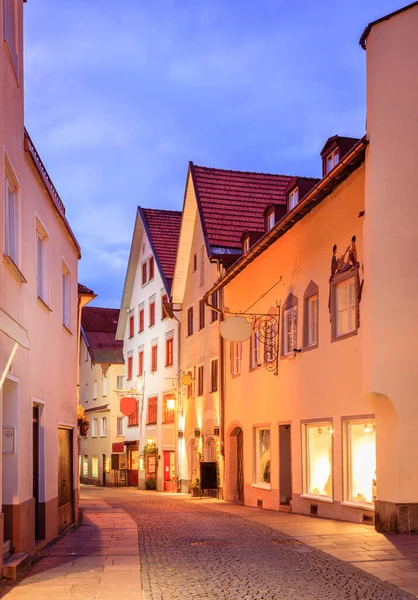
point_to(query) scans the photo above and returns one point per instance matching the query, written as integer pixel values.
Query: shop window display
(361, 461)
(319, 459)
(262, 456)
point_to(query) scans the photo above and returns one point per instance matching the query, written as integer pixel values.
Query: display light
(171, 404)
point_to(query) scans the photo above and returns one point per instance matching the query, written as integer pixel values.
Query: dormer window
(270, 219)
(246, 245)
(332, 160)
(293, 198)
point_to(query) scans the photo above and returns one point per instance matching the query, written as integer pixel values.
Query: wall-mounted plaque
(8, 440)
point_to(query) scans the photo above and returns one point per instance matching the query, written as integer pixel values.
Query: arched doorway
(209, 450)
(237, 464)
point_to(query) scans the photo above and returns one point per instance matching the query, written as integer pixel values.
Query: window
(95, 467)
(318, 459)
(85, 466)
(201, 314)
(290, 323)
(194, 262)
(10, 30)
(140, 363)
(164, 300)
(202, 266)
(141, 319)
(345, 307)
(214, 303)
(270, 220)
(190, 321)
(168, 411)
(154, 357)
(130, 360)
(94, 428)
(66, 296)
(310, 316)
(332, 160)
(246, 245)
(119, 426)
(104, 385)
(236, 349)
(95, 390)
(131, 324)
(133, 419)
(41, 261)
(360, 461)
(86, 352)
(152, 411)
(119, 382)
(169, 352)
(152, 313)
(10, 219)
(103, 426)
(200, 380)
(262, 456)
(293, 198)
(144, 273)
(214, 375)
(151, 268)
(190, 386)
(255, 350)
(86, 392)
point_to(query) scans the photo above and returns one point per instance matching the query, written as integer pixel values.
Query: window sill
(43, 304)
(8, 260)
(254, 368)
(136, 425)
(288, 356)
(170, 365)
(262, 486)
(66, 329)
(312, 347)
(318, 498)
(360, 505)
(337, 338)
(103, 436)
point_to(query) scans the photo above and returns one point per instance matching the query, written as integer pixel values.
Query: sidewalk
(392, 558)
(97, 561)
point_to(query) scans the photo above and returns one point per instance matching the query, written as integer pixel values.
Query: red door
(133, 464)
(169, 471)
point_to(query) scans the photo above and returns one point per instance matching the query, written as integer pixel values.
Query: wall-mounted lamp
(197, 433)
(150, 441)
(180, 434)
(367, 428)
(216, 430)
(331, 429)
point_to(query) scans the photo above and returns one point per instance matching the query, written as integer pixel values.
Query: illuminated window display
(361, 461)
(262, 456)
(94, 466)
(319, 459)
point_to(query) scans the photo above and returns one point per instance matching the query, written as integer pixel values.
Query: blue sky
(121, 95)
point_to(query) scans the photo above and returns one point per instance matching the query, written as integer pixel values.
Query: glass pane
(263, 456)
(362, 462)
(319, 460)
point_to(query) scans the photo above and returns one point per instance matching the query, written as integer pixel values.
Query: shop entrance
(237, 465)
(65, 478)
(169, 471)
(133, 465)
(285, 475)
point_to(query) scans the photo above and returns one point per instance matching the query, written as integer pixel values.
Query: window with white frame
(11, 221)
(290, 329)
(293, 198)
(310, 316)
(246, 244)
(104, 384)
(236, 348)
(85, 466)
(66, 296)
(94, 428)
(86, 392)
(318, 459)
(255, 350)
(202, 266)
(360, 461)
(86, 352)
(119, 430)
(262, 456)
(332, 160)
(95, 467)
(41, 261)
(270, 220)
(345, 307)
(103, 426)
(95, 390)
(119, 382)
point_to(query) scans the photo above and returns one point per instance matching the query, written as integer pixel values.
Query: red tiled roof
(83, 289)
(234, 201)
(164, 229)
(94, 318)
(99, 325)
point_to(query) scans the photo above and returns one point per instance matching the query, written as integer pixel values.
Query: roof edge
(154, 250)
(369, 27)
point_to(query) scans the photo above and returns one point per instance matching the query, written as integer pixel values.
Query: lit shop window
(95, 466)
(361, 461)
(318, 465)
(262, 456)
(85, 466)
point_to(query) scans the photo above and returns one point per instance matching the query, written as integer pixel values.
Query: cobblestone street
(188, 551)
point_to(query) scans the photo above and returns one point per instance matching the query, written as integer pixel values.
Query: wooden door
(65, 478)
(240, 467)
(285, 480)
(169, 471)
(133, 464)
(35, 457)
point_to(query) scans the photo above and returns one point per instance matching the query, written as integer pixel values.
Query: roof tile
(164, 229)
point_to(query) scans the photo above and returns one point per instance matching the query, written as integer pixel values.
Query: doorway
(169, 471)
(103, 469)
(285, 466)
(35, 460)
(133, 465)
(65, 478)
(236, 465)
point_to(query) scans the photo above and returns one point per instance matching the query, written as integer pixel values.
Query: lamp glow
(367, 428)
(150, 441)
(171, 404)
